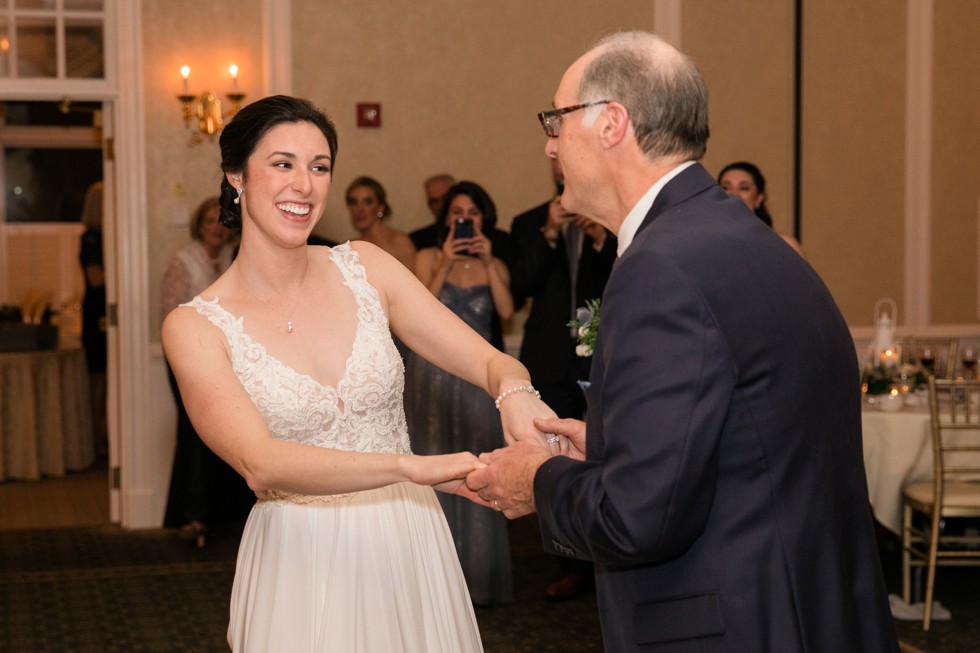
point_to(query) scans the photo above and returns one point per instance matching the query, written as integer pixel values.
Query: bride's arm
(434, 332)
(228, 422)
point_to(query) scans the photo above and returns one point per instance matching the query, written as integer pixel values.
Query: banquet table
(897, 451)
(45, 415)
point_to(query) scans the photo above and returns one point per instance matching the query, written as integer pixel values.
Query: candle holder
(206, 107)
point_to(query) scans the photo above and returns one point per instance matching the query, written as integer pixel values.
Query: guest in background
(94, 313)
(446, 413)
(561, 261)
(745, 180)
(436, 188)
(431, 236)
(368, 205)
(204, 490)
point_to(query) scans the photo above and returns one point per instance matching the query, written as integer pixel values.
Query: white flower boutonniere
(586, 325)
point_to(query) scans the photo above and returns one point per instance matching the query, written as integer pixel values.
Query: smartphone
(464, 228)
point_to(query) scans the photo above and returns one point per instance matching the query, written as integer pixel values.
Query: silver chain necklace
(289, 317)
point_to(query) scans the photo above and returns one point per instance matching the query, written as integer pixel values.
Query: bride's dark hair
(240, 137)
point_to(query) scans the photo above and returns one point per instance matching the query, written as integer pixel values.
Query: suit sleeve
(657, 408)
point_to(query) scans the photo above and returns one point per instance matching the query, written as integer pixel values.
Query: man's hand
(571, 431)
(506, 484)
(592, 229)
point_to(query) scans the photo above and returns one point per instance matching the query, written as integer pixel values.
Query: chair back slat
(954, 407)
(943, 353)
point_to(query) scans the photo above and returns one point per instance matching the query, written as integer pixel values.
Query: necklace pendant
(289, 326)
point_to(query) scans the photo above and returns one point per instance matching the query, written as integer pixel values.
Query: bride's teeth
(294, 208)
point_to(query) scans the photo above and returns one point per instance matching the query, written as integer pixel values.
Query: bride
(289, 373)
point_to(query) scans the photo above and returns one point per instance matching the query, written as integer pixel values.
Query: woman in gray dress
(444, 412)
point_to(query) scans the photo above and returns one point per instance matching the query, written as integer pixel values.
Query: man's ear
(615, 124)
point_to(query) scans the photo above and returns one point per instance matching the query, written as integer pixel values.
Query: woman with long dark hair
(289, 373)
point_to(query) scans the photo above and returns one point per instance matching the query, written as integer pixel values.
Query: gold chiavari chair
(931, 507)
(935, 355)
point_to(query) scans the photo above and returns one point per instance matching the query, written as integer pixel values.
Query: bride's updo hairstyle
(240, 137)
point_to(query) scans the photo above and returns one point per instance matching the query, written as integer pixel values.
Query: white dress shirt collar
(634, 218)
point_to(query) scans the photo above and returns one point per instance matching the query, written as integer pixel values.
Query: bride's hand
(458, 487)
(440, 469)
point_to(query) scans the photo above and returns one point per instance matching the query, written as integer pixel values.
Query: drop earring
(240, 192)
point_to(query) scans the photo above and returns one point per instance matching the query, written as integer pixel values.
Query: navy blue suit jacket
(723, 499)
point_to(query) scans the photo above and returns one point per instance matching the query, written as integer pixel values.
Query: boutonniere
(586, 326)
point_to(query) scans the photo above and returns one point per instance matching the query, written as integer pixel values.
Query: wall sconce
(206, 108)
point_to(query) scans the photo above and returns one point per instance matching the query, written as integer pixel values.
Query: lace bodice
(364, 412)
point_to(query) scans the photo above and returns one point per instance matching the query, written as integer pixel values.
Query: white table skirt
(45, 415)
(897, 451)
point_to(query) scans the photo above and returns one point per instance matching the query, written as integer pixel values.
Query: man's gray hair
(660, 87)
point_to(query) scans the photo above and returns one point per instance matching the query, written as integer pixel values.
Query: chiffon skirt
(360, 573)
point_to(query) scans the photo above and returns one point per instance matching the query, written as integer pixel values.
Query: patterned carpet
(101, 589)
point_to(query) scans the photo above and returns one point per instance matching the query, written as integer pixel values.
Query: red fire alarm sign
(368, 114)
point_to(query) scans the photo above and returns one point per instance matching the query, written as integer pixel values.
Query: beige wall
(956, 163)
(460, 82)
(750, 89)
(853, 195)
(208, 37)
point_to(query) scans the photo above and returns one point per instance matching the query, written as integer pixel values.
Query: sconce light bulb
(233, 69)
(185, 71)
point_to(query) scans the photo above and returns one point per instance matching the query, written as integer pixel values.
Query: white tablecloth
(45, 415)
(897, 451)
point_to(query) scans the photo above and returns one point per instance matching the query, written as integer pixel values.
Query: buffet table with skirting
(897, 451)
(45, 415)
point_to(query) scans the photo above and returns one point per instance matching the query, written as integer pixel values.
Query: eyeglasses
(551, 120)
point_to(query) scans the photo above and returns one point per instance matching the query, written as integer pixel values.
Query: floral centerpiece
(586, 326)
(879, 380)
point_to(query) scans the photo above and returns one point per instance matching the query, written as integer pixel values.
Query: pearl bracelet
(518, 388)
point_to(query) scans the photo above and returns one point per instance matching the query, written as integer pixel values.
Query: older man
(436, 188)
(721, 492)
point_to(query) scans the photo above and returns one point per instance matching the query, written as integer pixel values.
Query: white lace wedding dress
(365, 572)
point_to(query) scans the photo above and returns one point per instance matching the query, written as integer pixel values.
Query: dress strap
(369, 309)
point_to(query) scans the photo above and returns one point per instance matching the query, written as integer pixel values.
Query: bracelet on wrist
(517, 388)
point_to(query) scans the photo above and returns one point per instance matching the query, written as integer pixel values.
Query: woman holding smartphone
(446, 413)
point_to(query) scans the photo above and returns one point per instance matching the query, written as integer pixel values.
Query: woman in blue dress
(446, 413)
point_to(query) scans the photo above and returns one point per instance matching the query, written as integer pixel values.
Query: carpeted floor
(101, 589)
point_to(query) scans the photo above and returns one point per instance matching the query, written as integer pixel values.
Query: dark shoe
(194, 531)
(568, 587)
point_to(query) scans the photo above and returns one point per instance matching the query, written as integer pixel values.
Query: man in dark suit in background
(560, 262)
(721, 490)
(436, 188)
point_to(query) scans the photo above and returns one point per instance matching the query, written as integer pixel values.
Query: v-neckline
(239, 321)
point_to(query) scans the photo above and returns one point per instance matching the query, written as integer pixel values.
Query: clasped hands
(505, 481)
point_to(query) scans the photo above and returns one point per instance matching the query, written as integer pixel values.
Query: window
(52, 153)
(52, 39)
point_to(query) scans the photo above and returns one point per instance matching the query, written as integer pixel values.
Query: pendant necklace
(289, 317)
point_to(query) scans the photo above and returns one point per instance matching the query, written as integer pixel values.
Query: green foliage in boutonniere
(586, 325)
